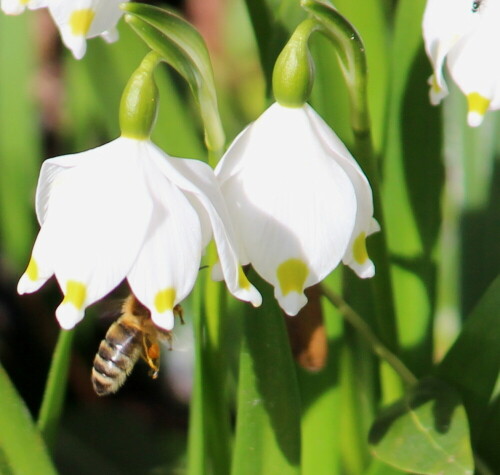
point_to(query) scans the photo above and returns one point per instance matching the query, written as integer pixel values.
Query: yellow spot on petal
(80, 21)
(292, 276)
(164, 300)
(24, 2)
(477, 103)
(359, 249)
(243, 282)
(32, 270)
(76, 292)
(434, 84)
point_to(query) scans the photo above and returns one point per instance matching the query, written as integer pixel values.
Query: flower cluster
(465, 33)
(76, 21)
(287, 197)
(126, 209)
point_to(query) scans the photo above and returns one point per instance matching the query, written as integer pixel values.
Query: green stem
(196, 440)
(217, 423)
(351, 53)
(373, 341)
(55, 388)
(209, 428)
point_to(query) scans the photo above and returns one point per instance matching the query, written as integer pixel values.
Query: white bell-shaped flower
(465, 34)
(16, 7)
(299, 202)
(78, 20)
(128, 210)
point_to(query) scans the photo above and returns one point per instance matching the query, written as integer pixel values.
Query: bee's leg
(151, 355)
(179, 312)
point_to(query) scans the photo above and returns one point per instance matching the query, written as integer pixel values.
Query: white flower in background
(128, 210)
(78, 20)
(16, 7)
(299, 200)
(466, 35)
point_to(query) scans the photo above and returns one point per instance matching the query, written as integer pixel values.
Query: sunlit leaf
(411, 190)
(427, 432)
(268, 406)
(21, 447)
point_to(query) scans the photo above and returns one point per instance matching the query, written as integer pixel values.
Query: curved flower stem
(374, 342)
(351, 53)
(55, 388)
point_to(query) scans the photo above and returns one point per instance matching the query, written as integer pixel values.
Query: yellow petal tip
(32, 270)
(165, 300)
(477, 106)
(292, 275)
(359, 251)
(81, 20)
(76, 293)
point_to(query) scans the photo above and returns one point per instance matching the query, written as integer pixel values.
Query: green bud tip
(139, 102)
(293, 73)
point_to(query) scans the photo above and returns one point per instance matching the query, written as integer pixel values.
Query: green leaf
(411, 190)
(21, 447)
(20, 138)
(426, 432)
(181, 46)
(472, 365)
(322, 399)
(268, 411)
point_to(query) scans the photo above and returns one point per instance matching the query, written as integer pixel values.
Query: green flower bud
(139, 103)
(293, 73)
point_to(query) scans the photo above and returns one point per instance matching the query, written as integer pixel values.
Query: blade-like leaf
(184, 49)
(21, 447)
(473, 363)
(268, 413)
(20, 139)
(427, 432)
(411, 190)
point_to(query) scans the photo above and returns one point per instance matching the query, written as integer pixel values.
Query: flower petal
(98, 213)
(49, 173)
(84, 19)
(356, 255)
(444, 23)
(198, 181)
(16, 7)
(474, 66)
(40, 267)
(168, 263)
(291, 200)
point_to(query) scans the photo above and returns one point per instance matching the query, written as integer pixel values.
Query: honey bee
(131, 336)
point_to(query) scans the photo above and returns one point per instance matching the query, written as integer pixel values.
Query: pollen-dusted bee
(132, 336)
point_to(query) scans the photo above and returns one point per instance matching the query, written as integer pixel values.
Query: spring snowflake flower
(299, 200)
(465, 34)
(77, 20)
(82, 19)
(128, 210)
(16, 7)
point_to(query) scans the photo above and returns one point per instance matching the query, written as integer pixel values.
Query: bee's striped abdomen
(116, 357)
